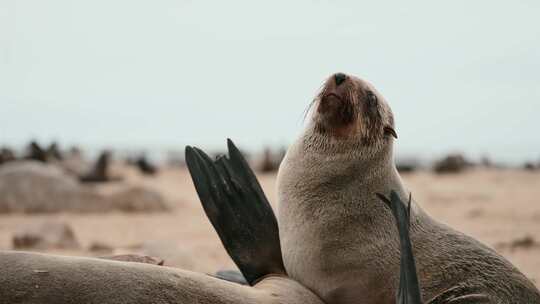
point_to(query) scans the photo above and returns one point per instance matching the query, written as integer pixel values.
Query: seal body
(339, 240)
(33, 278)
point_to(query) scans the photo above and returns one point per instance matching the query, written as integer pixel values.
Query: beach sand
(496, 206)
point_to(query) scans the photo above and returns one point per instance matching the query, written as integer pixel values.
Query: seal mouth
(330, 104)
(335, 110)
(332, 95)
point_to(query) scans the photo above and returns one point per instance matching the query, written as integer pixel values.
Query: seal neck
(315, 163)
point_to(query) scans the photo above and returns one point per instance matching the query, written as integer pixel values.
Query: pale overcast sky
(459, 75)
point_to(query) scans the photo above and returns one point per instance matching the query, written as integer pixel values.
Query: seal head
(348, 107)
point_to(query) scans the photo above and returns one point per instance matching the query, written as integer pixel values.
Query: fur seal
(36, 152)
(259, 225)
(33, 278)
(334, 231)
(100, 171)
(145, 166)
(53, 152)
(6, 155)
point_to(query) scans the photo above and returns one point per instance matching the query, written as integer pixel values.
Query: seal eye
(371, 99)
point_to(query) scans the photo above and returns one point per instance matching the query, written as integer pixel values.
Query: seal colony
(334, 243)
(238, 209)
(334, 231)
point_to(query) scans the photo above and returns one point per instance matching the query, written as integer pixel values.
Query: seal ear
(390, 131)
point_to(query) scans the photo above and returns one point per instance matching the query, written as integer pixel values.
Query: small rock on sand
(31, 186)
(138, 199)
(35, 187)
(46, 235)
(453, 163)
(100, 247)
(172, 254)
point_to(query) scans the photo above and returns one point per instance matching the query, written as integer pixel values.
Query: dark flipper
(234, 276)
(234, 202)
(409, 288)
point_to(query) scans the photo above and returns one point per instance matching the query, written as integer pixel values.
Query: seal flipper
(409, 287)
(234, 276)
(239, 211)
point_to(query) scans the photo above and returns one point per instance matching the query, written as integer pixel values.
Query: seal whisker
(308, 108)
(318, 96)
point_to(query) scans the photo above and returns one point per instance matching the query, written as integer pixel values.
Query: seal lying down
(239, 211)
(252, 241)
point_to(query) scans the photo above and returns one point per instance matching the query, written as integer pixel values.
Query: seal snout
(335, 107)
(339, 78)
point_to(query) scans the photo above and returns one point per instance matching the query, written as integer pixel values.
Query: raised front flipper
(409, 288)
(234, 202)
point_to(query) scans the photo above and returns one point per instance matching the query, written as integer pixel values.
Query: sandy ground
(497, 207)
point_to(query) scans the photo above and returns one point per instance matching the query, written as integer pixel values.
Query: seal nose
(340, 78)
